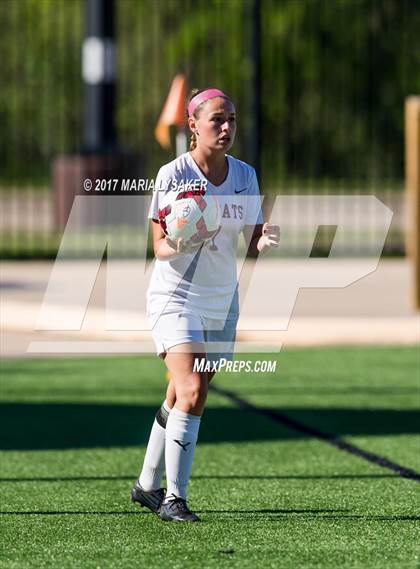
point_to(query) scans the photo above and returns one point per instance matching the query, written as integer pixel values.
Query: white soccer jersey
(204, 282)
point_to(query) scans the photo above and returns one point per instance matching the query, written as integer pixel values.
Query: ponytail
(193, 141)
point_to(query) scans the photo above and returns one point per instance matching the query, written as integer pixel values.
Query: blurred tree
(337, 74)
(40, 98)
(334, 77)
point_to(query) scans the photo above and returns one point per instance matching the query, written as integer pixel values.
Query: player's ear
(191, 124)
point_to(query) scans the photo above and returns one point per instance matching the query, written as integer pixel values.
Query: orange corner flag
(173, 111)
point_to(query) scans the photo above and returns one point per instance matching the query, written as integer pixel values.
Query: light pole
(98, 73)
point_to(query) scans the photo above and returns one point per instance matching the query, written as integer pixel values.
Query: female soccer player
(192, 300)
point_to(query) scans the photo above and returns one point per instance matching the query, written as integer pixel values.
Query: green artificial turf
(74, 434)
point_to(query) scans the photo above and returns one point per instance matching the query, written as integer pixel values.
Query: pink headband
(202, 97)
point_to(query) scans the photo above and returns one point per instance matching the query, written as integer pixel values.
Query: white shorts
(171, 329)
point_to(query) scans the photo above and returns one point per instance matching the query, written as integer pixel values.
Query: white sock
(154, 459)
(181, 438)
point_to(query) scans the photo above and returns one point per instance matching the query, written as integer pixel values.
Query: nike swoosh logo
(240, 191)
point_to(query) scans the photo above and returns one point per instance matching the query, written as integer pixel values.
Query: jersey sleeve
(158, 191)
(253, 214)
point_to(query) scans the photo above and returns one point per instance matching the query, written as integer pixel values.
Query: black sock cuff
(162, 417)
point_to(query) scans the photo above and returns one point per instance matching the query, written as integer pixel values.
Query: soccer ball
(191, 215)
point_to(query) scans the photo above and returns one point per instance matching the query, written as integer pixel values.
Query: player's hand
(270, 236)
(181, 247)
(171, 243)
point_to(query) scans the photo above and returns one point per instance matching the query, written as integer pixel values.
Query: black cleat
(176, 510)
(152, 499)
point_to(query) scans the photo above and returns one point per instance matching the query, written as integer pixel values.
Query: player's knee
(197, 399)
(194, 393)
(197, 394)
